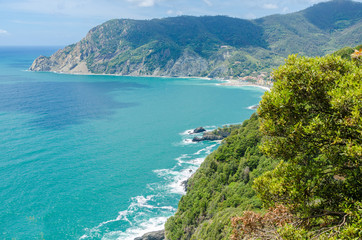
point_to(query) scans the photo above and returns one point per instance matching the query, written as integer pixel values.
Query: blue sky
(62, 22)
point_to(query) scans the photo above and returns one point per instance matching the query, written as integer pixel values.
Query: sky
(63, 22)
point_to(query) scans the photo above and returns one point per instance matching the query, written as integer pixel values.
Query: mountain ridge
(208, 46)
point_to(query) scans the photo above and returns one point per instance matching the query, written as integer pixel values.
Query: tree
(312, 121)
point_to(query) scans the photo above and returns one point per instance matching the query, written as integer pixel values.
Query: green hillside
(212, 46)
(334, 17)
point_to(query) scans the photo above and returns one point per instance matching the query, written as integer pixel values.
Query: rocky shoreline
(215, 135)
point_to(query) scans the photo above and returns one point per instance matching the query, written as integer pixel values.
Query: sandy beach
(238, 83)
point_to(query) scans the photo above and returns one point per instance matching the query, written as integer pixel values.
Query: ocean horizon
(98, 156)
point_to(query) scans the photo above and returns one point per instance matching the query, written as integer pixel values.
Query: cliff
(221, 187)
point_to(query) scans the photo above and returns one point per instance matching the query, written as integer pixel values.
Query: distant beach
(238, 83)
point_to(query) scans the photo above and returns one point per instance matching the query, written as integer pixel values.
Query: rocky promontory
(210, 136)
(217, 134)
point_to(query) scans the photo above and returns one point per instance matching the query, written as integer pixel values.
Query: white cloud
(175, 13)
(208, 2)
(286, 10)
(270, 6)
(249, 16)
(143, 3)
(3, 32)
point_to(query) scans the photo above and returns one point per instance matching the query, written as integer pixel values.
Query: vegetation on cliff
(309, 179)
(221, 188)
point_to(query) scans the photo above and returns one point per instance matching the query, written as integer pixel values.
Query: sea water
(100, 157)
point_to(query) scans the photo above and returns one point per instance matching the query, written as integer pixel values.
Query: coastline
(238, 83)
(226, 82)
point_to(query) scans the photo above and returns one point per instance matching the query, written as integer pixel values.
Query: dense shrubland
(312, 122)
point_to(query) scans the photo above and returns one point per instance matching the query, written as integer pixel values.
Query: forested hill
(216, 46)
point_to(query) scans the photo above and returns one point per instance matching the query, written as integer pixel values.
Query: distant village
(263, 79)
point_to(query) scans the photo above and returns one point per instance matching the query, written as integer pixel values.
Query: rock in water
(209, 137)
(158, 235)
(217, 134)
(199, 130)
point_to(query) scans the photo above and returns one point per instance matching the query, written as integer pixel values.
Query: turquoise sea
(100, 157)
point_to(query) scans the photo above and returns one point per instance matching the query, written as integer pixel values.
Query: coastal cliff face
(216, 47)
(221, 188)
(67, 60)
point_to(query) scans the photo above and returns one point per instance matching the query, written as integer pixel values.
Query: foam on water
(187, 132)
(253, 107)
(147, 213)
(187, 164)
(152, 224)
(135, 216)
(207, 150)
(187, 141)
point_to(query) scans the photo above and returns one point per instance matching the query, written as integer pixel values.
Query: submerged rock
(158, 235)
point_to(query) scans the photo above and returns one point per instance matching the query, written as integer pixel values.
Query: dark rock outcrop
(158, 235)
(185, 184)
(217, 134)
(210, 136)
(199, 130)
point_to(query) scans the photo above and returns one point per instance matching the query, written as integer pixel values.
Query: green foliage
(312, 120)
(292, 233)
(218, 227)
(221, 185)
(225, 130)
